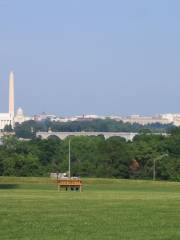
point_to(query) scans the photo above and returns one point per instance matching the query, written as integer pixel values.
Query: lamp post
(154, 169)
(69, 159)
(154, 164)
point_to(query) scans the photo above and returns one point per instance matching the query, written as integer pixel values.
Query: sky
(106, 57)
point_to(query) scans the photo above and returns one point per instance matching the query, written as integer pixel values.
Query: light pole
(69, 159)
(154, 169)
(154, 164)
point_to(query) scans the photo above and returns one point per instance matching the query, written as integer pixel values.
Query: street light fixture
(69, 173)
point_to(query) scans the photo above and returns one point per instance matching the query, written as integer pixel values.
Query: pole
(154, 170)
(69, 158)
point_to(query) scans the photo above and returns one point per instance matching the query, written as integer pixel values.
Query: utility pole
(69, 158)
(154, 170)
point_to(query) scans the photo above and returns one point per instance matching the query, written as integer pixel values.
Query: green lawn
(32, 208)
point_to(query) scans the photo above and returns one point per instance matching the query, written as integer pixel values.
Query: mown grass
(32, 208)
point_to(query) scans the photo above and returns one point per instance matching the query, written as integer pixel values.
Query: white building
(143, 120)
(19, 117)
(173, 117)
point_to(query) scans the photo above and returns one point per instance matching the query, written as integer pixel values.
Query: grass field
(32, 208)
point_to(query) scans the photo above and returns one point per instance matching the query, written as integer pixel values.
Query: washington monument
(11, 94)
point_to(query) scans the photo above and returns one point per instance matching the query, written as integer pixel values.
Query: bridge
(62, 135)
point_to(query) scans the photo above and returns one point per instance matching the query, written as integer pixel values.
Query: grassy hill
(32, 208)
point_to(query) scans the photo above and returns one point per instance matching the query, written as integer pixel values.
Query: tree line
(94, 156)
(28, 129)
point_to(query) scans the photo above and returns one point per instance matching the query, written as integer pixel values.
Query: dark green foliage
(94, 156)
(8, 128)
(29, 128)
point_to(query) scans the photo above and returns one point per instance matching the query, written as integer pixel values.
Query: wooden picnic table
(73, 184)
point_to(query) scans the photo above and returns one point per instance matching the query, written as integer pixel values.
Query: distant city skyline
(98, 57)
(17, 116)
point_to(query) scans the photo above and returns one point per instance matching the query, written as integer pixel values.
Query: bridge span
(62, 135)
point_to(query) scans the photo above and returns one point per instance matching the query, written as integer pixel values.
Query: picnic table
(69, 183)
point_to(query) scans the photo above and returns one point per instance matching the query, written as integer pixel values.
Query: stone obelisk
(11, 94)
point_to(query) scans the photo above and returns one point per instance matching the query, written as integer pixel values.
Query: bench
(72, 184)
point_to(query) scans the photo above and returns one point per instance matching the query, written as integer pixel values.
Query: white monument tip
(11, 73)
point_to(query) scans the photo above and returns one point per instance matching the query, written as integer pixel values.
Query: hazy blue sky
(91, 56)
